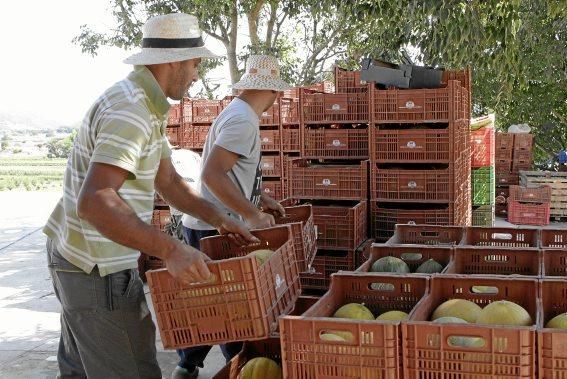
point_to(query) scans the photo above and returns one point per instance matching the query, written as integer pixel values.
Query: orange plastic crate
(495, 261)
(348, 81)
(523, 142)
(174, 115)
(413, 255)
(541, 194)
(325, 143)
(503, 165)
(501, 237)
(553, 239)
(375, 349)
(271, 165)
(521, 165)
(273, 188)
(243, 302)
(289, 111)
(506, 178)
(271, 116)
(200, 111)
(340, 227)
(504, 145)
(528, 213)
(291, 139)
(554, 262)
(552, 357)
(333, 108)
(173, 135)
(161, 218)
(194, 136)
(482, 145)
(270, 140)
(326, 263)
(432, 235)
(268, 348)
(508, 352)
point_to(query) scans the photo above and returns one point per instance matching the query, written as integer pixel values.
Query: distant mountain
(19, 121)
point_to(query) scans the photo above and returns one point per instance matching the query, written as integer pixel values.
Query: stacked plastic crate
(557, 181)
(332, 174)
(420, 156)
(198, 116)
(483, 172)
(271, 162)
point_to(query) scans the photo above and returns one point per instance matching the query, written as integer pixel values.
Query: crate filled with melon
(407, 259)
(552, 331)
(249, 288)
(354, 330)
(481, 326)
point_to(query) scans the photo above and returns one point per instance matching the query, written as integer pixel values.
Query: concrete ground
(29, 311)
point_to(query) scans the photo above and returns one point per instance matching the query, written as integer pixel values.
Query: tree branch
(271, 22)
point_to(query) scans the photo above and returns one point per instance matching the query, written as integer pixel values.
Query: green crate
(483, 186)
(483, 216)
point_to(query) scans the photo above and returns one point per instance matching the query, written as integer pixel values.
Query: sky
(43, 73)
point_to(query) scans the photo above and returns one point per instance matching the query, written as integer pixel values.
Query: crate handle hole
(336, 336)
(389, 287)
(488, 290)
(501, 236)
(466, 341)
(411, 256)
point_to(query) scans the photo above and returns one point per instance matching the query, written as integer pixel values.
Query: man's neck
(254, 102)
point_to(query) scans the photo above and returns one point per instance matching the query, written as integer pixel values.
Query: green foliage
(31, 174)
(61, 147)
(5, 142)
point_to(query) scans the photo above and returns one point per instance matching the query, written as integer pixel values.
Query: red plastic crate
(273, 188)
(293, 93)
(200, 111)
(540, 194)
(161, 218)
(554, 262)
(300, 219)
(432, 235)
(504, 145)
(523, 142)
(333, 182)
(289, 111)
(463, 76)
(173, 135)
(363, 252)
(243, 302)
(413, 255)
(482, 145)
(506, 178)
(553, 239)
(291, 139)
(271, 116)
(348, 81)
(174, 115)
(325, 143)
(194, 136)
(552, 356)
(501, 210)
(375, 349)
(502, 195)
(502, 237)
(383, 220)
(528, 213)
(523, 155)
(495, 261)
(438, 105)
(332, 108)
(271, 165)
(270, 140)
(508, 352)
(340, 227)
(503, 165)
(268, 348)
(521, 165)
(327, 262)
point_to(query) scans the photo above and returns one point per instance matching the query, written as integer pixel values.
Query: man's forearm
(226, 191)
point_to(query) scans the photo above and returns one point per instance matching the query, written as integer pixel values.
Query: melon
(260, 368)
(333, 336)
(262, 255)
(460, 340)
(460, 308)
(558, 322)
(393, 316)
(504, 312)
(430, 266)
(354, 311)
(390, 264)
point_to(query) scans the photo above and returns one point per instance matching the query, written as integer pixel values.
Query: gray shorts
(106, 326)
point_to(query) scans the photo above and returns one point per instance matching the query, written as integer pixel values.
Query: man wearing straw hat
(231, 177)
(97, 229)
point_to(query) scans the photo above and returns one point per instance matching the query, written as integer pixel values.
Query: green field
(31, 174)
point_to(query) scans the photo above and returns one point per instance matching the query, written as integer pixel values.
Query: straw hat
(262, 72)
(170, 38)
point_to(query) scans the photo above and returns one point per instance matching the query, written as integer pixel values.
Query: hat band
(172, 43)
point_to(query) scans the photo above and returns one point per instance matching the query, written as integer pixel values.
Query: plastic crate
(432, 235)
(413, 255)
(540, 194)
(333, 182)
(273, 188)
(340, 227)
(554, 262)
(553, 239)
(174, 116)
(268, 348)
(501, 210)
(194, 136)
(506, 178)
(420, 105)
(326, 143)
(348, 81)
(291, 139)
(528, 213)
(552, 356)
(495, 261)
(503, 165)
(463, 76)
(270, 140)
(327, 262)
(161, 218)
(483, 216)
(523, 142)
(502, 237)
(289, 111)
(333, 108)
(173, 135)
(508, 352)
(383, 220)
(271, 165)
(159, 201)
(200, 111)
(502, 195)
(482, 146)
(271, 116)
(243, 302)
(375, 349)
(521, 165)
(504, 145)
(521, 155)
(363, 252)
(483, 186)
(300, 219)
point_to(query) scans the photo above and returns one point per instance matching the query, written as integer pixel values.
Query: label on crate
(265, 114)
(411, 223)
(410, 104)
(412, 184)
(411, 144)
(267, 190)
(336, 107)
(336, 143)
(267, 165)
(327, 182)
(265, 140)
(316, 232)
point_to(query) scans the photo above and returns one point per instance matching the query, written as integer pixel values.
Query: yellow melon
(332, 336)
(262, 255)
(260, 368)
(460, 308)
(558, 322)
(354, 311)
(504, 312)
(393, 316)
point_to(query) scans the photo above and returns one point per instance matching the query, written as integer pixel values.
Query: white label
(279, 281)
(411, 144)
(266, 165)
(267, 190)
(411, 222)
(207, 110)
(265, 114)
(336, 107)
(410, 104)
(336, 142)
(412, 184)
(326, 182)
(265, 139)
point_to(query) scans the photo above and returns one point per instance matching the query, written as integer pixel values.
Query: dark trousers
(195, 356)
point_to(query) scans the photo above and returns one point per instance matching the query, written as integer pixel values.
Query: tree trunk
(253, 23)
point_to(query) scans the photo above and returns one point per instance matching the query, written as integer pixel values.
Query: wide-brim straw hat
(262, 73)
(169, 38)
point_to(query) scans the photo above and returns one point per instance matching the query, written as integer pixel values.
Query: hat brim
(157, 56)
(259, 82)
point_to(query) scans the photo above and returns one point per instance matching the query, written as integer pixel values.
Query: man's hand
(237, 231)
(260, 220)
(270, 204)
(187, 264)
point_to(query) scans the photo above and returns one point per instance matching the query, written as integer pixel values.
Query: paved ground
(29, 311)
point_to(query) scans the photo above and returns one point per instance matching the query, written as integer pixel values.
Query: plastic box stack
(558, 183)
(483, 175)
